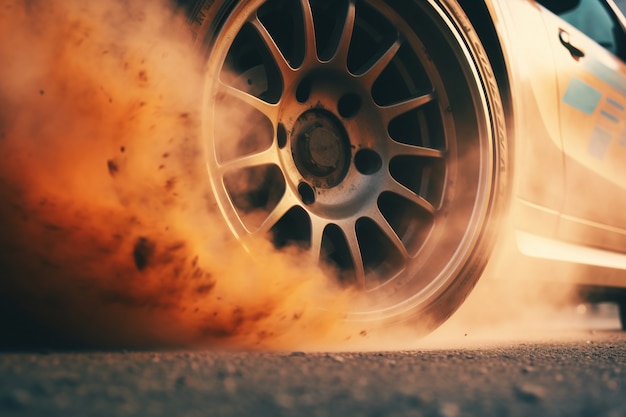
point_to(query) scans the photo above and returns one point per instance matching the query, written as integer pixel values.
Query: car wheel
(369, 133)
(622, 313)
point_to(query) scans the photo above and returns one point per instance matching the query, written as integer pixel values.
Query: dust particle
(113, 167)
(205, 289)
(529, 393)
(143, 252)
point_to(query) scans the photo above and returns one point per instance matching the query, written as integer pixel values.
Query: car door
(589, 49)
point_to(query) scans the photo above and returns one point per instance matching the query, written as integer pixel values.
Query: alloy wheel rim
(321, 157)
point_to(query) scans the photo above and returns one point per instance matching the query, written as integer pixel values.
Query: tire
(621, 305)
(370, 133)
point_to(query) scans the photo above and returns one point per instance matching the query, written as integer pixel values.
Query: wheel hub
(321, 148)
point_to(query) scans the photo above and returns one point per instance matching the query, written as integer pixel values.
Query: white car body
(568, 116)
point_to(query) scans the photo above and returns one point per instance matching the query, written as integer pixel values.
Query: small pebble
(529, 393)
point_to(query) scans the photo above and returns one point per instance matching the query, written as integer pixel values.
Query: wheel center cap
(324, 148)
(321, 148)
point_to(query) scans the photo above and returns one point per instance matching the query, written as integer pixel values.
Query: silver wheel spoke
(372, 73)
(355, 252)
(317, 231)
(284, 205)
(310, 44)
(401, 149)
(265, 157)
(268, 109)
(391, 234)
(394, 110)
(395, 187)
(341, 55)
(278, 57)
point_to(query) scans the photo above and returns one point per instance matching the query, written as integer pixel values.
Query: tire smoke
(110, 236)
(109, 233)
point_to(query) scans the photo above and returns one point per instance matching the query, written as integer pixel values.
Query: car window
(594, 18)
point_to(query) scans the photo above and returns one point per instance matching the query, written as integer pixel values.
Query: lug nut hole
(303, 92)
(307, 194)
(367, 162)
(349, 105)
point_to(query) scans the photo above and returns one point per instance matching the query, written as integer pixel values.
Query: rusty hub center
(321, 148)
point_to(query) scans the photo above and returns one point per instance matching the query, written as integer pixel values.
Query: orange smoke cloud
(109, 232)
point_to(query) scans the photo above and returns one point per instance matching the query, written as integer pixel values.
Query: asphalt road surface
(580, 373)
